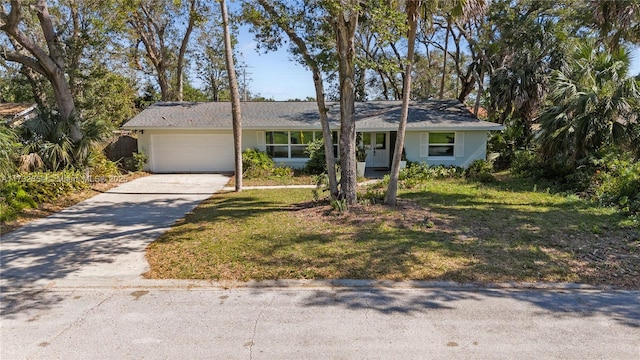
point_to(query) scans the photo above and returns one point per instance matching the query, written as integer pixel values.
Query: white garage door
(172, 153)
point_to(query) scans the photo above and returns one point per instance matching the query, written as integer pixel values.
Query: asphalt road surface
(188, 320)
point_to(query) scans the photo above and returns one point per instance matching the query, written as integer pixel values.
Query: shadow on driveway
(104, 237)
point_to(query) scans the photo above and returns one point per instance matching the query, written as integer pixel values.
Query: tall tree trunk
(235, 95)
(392, 189)
(444, 61)
(319, 88)
(346, 23)
(326, 133)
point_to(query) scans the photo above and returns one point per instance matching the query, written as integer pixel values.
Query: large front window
(292, 144)
(441, 144)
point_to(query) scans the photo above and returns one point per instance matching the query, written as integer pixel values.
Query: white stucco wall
(474, 147)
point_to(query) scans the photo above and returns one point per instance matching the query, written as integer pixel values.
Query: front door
(376, 145)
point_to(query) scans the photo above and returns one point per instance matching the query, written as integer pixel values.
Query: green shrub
(140, 159)
(48, 186)
(256, 163)
(13, 200)
(30, 189)
(282, 171)
(317, 164)
(480, 170)
(422, 171)
(617, 182)
(372, 196)
(526, 163)
(102, 169)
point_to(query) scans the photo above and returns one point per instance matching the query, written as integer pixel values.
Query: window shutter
(262, 145)
(424, 144)
(458, 148)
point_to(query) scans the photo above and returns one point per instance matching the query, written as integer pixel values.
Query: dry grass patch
(448, 230)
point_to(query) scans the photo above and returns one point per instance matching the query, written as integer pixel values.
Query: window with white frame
(292, 144)
(441, 145)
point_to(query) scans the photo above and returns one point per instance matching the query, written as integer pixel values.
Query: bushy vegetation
(140, 160)
(258, 164)
(617, 182)
(611, 179)
(480, 170)
(24, 191)
(422, 171)
(317, 163)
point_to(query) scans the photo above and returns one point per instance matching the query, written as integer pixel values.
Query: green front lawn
(446, 230)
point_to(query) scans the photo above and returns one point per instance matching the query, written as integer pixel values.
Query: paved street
(191, 320)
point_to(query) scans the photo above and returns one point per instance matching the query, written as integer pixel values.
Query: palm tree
(48, 143)
(413, 9)
(595, 105)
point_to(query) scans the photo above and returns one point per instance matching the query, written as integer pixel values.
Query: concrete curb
(231, 188)
(353, 284)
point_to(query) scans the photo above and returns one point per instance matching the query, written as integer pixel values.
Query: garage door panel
(192, 153)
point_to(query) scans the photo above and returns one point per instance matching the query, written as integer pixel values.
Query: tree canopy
(555, 73)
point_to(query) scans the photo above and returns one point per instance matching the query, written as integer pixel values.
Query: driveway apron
(103, 237)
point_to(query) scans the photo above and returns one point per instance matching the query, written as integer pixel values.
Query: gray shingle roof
(373, 115)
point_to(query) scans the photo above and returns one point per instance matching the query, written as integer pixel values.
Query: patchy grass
(446, 230)
(297, 179)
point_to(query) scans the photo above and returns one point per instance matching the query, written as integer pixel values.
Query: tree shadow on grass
(516, 241)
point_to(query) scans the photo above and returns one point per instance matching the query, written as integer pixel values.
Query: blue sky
(276, 76)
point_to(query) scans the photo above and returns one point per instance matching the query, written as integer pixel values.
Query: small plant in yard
(102, 169)
(282, 171)
(361, 154)
(371, 197)
(339, 205)
(13, 200)
(28, 190)
(422, 171)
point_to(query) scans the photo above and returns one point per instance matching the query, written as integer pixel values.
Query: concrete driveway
(103, 237)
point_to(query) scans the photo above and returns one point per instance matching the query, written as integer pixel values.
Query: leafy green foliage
(593, 103)
(371, 196)
(140, 159)
(47, 136)
(256, 163)
(480, 170)
(9, 151)
(102, 169)
(616, 181)
(108, 98)
(317, 163)
(422, 171)
(526, 163)
(282, 171)
(28, 190)
(13, 199)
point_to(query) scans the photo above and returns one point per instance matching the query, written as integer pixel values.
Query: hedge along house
(197, 137)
